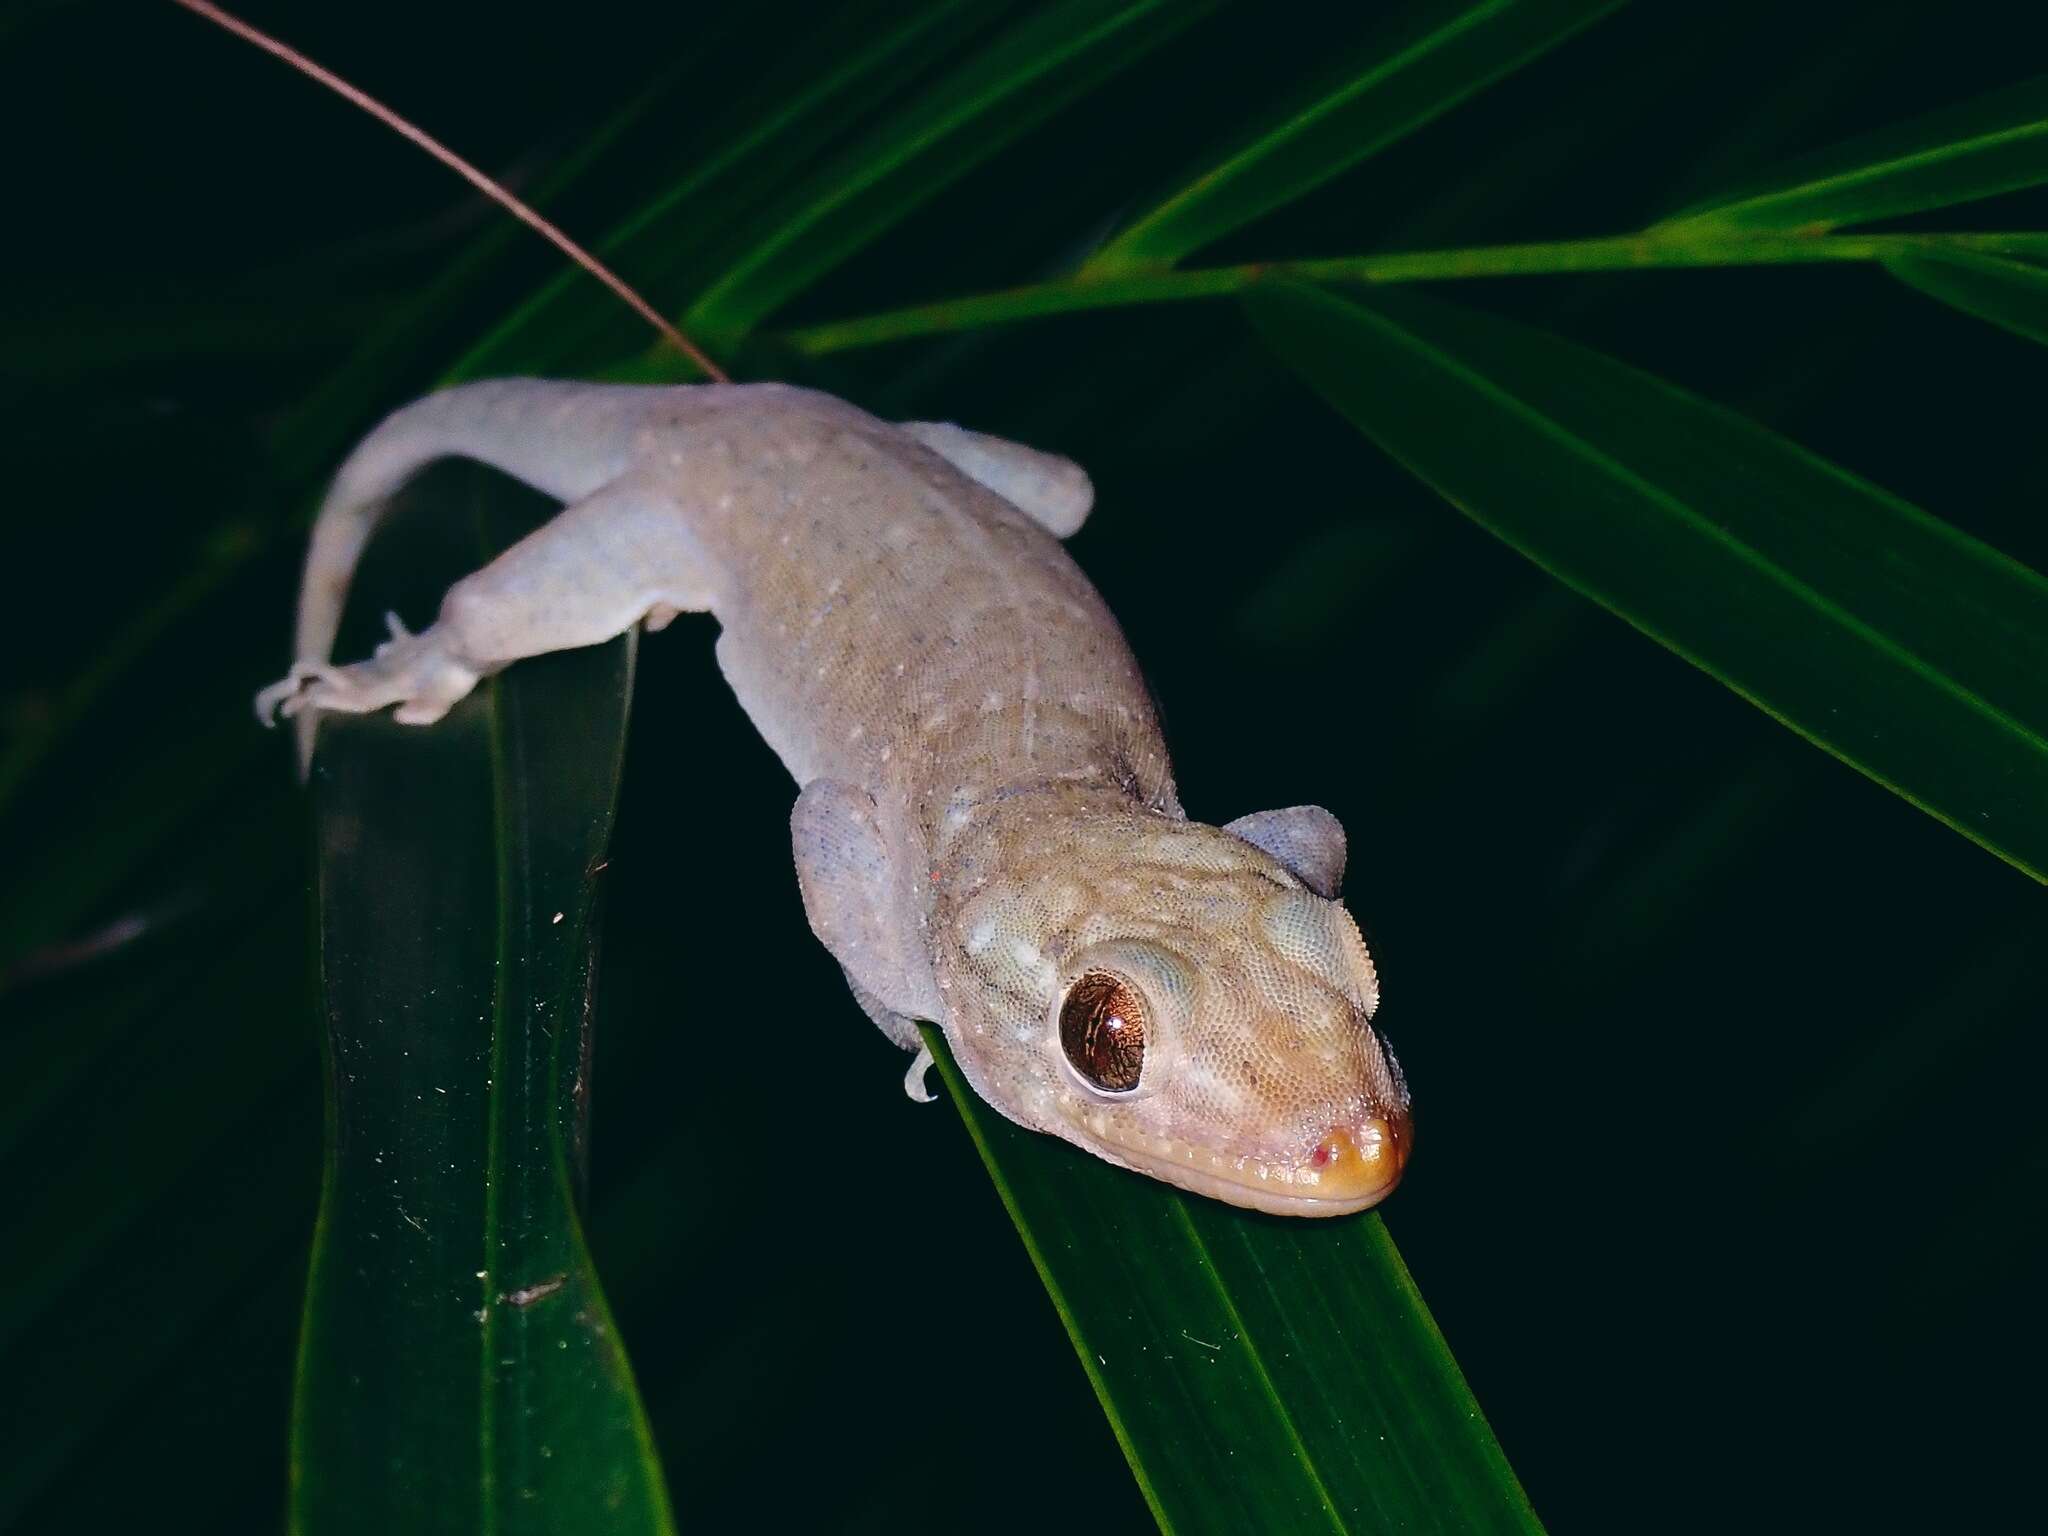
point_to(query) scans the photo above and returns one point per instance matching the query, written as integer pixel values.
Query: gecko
(987, 834)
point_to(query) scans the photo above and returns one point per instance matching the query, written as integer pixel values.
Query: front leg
(424, 675)
(588, 574)
(844, 870)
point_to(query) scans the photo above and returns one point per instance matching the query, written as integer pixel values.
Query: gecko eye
(1102, 1030)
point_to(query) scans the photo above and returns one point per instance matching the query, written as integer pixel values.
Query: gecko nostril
(1363, 1159)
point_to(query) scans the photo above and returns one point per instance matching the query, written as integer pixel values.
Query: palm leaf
(1260, 1373)
(458, 1355)
(1979, 148)
(823, 91)
(1384, 95)
(766, 220)
(1019, 79)
(1907, 649)
(2010, 294)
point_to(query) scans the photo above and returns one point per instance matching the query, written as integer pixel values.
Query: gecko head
(1188, 1001)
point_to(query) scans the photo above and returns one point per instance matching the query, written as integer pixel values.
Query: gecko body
(987, 834)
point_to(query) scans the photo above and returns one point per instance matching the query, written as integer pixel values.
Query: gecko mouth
(1351, 1168)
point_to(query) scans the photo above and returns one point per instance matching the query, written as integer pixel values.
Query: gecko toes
(284, 696)
(415, 672)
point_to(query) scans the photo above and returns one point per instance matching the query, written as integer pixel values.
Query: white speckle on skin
(980, 936)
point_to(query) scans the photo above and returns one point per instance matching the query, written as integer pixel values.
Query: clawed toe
(287, 696)
(415, 672)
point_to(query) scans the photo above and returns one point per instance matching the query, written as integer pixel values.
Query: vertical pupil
(1102, 1030)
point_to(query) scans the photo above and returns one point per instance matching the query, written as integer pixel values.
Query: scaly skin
(988, 834)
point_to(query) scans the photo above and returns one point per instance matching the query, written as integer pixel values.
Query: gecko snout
(1363, 1161)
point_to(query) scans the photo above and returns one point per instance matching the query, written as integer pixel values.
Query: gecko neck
(998, 765)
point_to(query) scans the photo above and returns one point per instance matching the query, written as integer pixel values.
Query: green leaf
(2010, 294)
(1378, 100)
(1261, 1373)
(1907, 649)
(820, 94)
(990, 99)
(1685, 247)
(458, 1366)
(1991, 144)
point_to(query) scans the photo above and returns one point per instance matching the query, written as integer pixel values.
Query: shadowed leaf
(2010, 294)
(1389, 94)
(1261, 1373)
(1907, 649)
(1979, 148)
(822, 91)
(458, 1354)
(987, 101)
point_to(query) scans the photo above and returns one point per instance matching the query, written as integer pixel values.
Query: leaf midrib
(1841, 181)
(1601, 460)
(1207, 1263)
(881, 166)
(1129, 245)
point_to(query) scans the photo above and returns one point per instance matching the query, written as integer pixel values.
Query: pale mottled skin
(987, 812)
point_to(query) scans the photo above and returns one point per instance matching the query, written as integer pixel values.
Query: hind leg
(590, 573)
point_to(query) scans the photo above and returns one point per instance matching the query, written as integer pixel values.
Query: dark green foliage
(1726, 1197)
(459, 1366)
(1260, 1373)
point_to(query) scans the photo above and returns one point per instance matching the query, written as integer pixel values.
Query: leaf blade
(1979, 148)
(816, 97)
(987, 102)
(1376, 105)
(1913, 653)
(1243, 1395)
(2012, 295)
(458, 1362)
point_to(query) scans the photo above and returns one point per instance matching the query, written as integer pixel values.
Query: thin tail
(564, 439)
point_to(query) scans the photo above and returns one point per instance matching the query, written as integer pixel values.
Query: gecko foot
(415, 672)
(913, 1080)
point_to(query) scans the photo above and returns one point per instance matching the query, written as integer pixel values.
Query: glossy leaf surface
(458, 1364)
(1261, 1373)
(1910, 651)
(1051, 55)
(2009, 294)
(1396, 87)
(1978, 148)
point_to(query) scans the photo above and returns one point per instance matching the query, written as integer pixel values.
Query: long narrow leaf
(1380, 100)
(1979, 148)
(1262, 1374)
(990, 99)
(819, 94)
(2011, 294)
(458, 1367)
(1910, 651)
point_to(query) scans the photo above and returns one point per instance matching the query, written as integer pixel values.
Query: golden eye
(1102, 1030)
